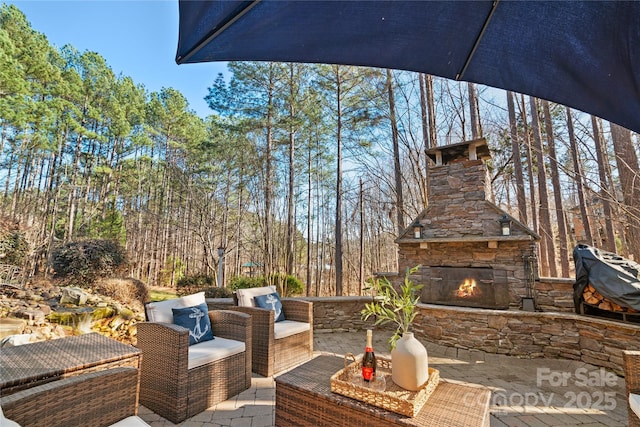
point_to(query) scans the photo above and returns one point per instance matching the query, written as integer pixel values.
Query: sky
(137, 38)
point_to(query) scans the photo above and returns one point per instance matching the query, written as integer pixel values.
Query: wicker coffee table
(29, 365)
(304, 397)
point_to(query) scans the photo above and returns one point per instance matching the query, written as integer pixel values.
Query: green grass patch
(162, 295)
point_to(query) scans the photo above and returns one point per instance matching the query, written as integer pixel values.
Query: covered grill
(606, 284)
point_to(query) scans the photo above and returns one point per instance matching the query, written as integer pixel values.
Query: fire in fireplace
(468, 289)
(481, 287)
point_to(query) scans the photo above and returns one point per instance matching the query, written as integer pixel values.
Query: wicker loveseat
(103, 398)
(632, 380)
(277, 345)
(179, 380)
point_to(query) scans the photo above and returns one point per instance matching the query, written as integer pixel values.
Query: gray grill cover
(616, 278)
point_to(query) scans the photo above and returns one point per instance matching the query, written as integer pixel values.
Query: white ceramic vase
(409, 363)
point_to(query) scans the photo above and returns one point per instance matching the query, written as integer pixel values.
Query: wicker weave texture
(271, 356)
(632, 380)
(175, 392)
(29, 365)
(93, 399)
(303, 397)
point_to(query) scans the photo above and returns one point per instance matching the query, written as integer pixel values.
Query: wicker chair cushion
(271, 302)
(286, 328)
(196, 319)
(161, 311)
(210, 351)
(634, 403)
(245, 296)
(6, 422)
(131, 421)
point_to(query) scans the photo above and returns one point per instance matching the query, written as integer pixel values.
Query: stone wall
(530, 334)
(517, 333)
(330, 314)
(553, 294)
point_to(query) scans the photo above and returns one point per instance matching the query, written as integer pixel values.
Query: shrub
(13, 248)
(196, 280)
(286, 285)
(201, 282)
(83, 262)
(128, 291)
(289, 285)
(240, 282)
(217, 293)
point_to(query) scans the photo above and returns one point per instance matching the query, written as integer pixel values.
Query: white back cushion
(161, 311)
(634, 403)
(245, 296)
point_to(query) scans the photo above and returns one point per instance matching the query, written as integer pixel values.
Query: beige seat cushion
(210, 351)
(131, 421)
(245, 296)
(287, 328)
(6, 422)
(161, 311)
(634, 403)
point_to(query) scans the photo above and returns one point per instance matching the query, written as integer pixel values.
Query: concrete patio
(525, 392)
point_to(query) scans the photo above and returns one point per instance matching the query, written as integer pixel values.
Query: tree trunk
(397, 172)
(517, 161)
(628, 171)
(361, 257)
(609, 242)
(338, 216)
(577, 168)
(547, 245)
(474, 115)
(291, 195)
(427, 105)
(557, 191)
(532, 186)
(309, 216)
(268, 182)
(73, 188)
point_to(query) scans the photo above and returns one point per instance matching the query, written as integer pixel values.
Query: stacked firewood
(592, 297)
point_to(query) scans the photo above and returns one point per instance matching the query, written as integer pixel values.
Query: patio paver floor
(525, 392)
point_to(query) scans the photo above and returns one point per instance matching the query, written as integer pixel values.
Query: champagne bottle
(369, 359)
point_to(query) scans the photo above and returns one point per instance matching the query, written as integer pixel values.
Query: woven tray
(393, 398)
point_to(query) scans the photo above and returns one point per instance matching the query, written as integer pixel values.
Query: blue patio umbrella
(583, 54)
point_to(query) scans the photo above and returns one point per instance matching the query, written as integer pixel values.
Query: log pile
(592, 297)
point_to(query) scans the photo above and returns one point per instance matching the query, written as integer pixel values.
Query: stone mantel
(464, 239)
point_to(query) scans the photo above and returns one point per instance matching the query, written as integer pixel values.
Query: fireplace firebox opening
(481, 287)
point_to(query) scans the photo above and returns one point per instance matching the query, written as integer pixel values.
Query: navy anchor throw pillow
(272, 302)
(196, 319)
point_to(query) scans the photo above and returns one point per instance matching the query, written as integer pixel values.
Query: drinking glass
(378, 383)
(356, 379)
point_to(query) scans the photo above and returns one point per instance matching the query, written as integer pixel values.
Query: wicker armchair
(270, 353)
(632, 379)
(173, 390)
(98, 399)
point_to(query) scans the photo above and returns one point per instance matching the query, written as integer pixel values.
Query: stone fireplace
(457, 240)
